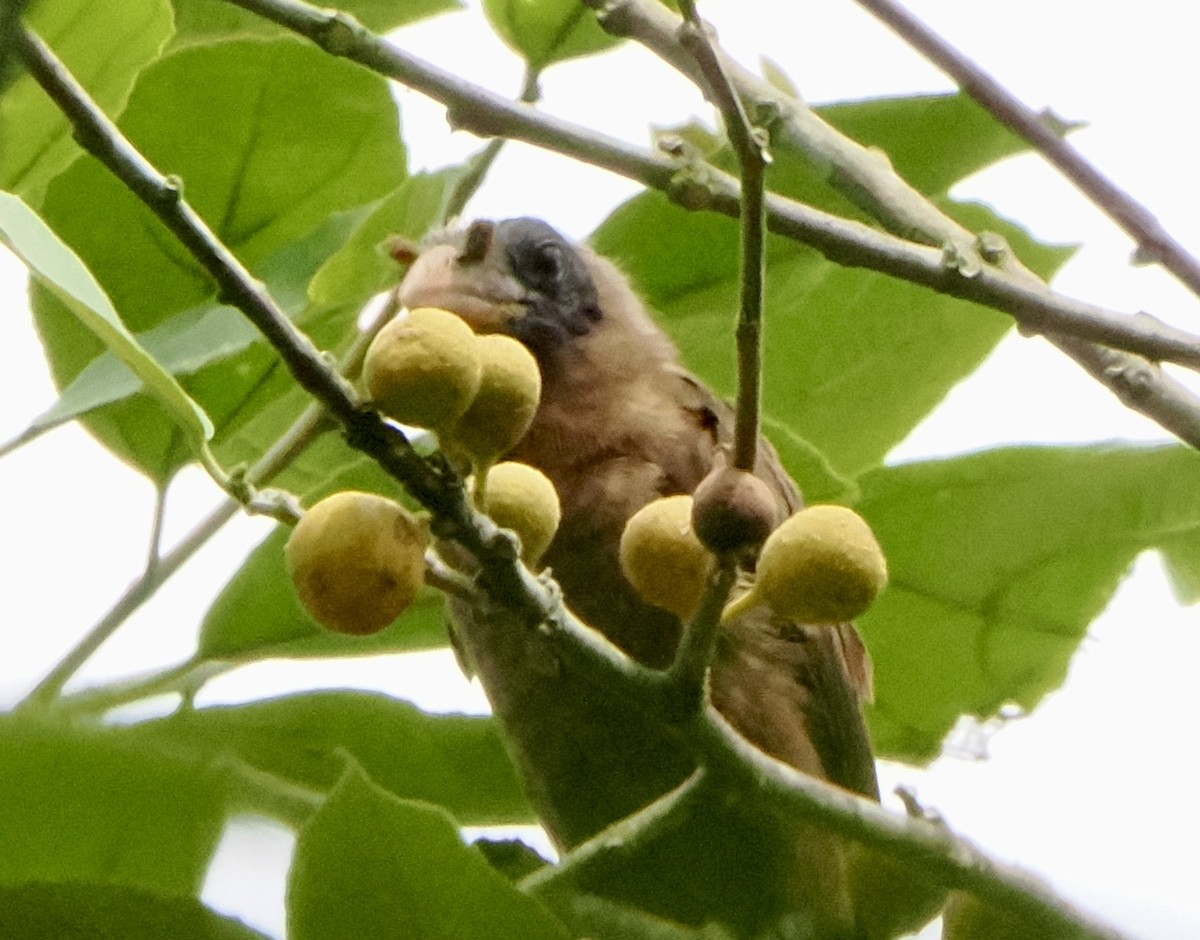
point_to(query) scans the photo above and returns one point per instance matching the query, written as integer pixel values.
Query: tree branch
(1153, 240)
(864, 176)
(932, 849)
(953, 270)
(620, 841)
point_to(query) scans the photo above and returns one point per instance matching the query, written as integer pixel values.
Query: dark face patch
(562, 302)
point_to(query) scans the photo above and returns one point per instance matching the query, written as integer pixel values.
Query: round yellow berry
(822, 565)
(522, 498)
(423, 369)
(662, 558)
(503, 408)
(357, 561)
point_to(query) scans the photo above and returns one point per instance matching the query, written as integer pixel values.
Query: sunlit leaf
(61, 271)
(547, 31)
(205, 21)
(999, 561)
(104, 43)
(180, 345)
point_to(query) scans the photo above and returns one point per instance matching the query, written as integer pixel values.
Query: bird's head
(518, 276)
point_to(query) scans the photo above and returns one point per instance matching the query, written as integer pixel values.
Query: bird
(620, 423)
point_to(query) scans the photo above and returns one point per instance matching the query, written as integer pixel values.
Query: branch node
(338, 34)
(613, 16)
(171, 191)
(692, 188)
(965, 263)
(993, 247)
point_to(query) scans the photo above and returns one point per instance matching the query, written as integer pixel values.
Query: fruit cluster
(357, 560)
(478, 393)
(822, 565)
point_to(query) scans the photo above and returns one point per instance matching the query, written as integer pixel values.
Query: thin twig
(863, 176)
(482, 162)
(752, 160)
(440, 575)
(688, 672)
(133, 598)
(185, 679)
(619, 841)
(1153, 240)
(280, 455)
(984, 267)
(154, 551)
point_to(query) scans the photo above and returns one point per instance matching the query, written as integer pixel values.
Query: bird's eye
(541, 266)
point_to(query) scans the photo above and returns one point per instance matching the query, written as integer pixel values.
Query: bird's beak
(470, 279)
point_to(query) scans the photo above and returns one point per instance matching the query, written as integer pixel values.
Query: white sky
(1092, 790)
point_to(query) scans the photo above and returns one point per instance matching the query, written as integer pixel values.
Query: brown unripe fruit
(662, 558)
(733, 510)
(357, 561)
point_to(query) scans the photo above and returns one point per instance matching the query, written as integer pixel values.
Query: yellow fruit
(504, 406)
(663, 559)
(822, 565)
(522, 498)
(357, 561)
(423, 369)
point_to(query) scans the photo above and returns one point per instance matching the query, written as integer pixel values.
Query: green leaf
(852, 360)
(362, 267)
(87, 806)
(999, 561)
(547, 31)
(277, 162)
(105, 44)
(371, 865)
(209, 334)
(257, 614)
(77, 911)
(74, 911)
(205, 21)
(456, 761)
(61, 271)
(932, 141)
(181, 345)
(269, 139)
